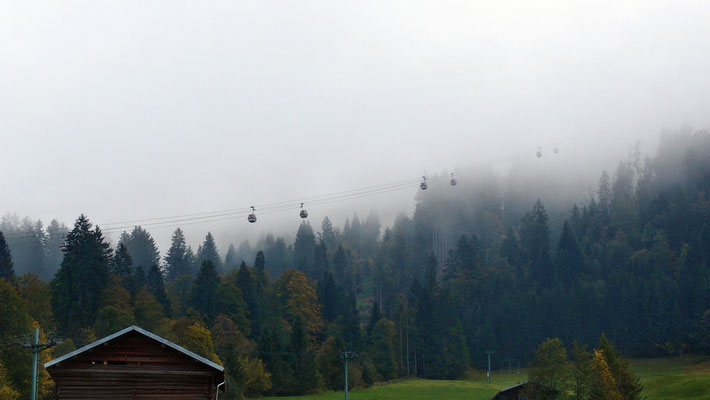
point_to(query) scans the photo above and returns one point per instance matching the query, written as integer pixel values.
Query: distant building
(511, 393)
(517, 392)
(134, 364)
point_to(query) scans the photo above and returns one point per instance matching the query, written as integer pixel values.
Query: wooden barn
(518, 392)
(135, 364)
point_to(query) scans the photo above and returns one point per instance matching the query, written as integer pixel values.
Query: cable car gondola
(556, 150)
(304, 213)
(453, 180)
(539, 152)
(252, 217)
(423, 185)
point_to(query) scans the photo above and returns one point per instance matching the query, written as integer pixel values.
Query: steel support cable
(213, 216)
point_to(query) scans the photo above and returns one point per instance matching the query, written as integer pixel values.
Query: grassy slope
(673, 378)
(667, 378)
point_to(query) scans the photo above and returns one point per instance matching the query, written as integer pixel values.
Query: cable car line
(220, 215)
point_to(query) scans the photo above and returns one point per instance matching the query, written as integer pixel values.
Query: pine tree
(628, 384)
(231, 258)
(141, 246)
(535, 238)
(510, 249)
(247, 284)
(303, 361)
(382, 350)
(604, 195)
(569, 256)
(320, 261)
(375, 315)
(603, 385)
(7, 272)
(351, 322)
(327, 293)
(177, 259)
(55, 238)
(204, 297)
(274, 349)
(259, 261)
(260, 270)
(122, 266)
(78, 286)
(156, 286)
(304, 247)
(327, 234)
(138, 278)
(340, 265)
(208, 252)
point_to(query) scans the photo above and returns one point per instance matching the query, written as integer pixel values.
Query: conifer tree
(247, 284)
(340, 265)
(603, 385)
(382, 348)
(53, 244)
(375, 315)
(535, 238)
(177, 259)
(141, 246)
(260, 270)
(7, 272)
(327, 233)
(320, 261)
(304, 247)
(122, 266)
(259, 261)
(204, 297)
(138, 278)
(351, 322)
(510, 249)
(303, 360)
(275, 350)
(79, 283)
(569, 256)
(156, 286)
(604, 195)
(208, 252)
(231, 258)
(327, 293)
(628, 384)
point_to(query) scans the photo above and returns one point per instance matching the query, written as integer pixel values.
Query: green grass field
(665, 378)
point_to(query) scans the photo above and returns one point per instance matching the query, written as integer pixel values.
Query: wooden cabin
(518, 392)
(514, 392)
(135, 364)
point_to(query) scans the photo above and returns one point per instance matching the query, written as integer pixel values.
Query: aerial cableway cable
(281, 206)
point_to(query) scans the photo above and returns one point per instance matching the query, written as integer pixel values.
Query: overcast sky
(131, 109)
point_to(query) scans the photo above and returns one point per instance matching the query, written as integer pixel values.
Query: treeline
(470, 271)
(554, 373)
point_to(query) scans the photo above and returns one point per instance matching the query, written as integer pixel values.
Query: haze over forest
(169, 110)
(577, 134)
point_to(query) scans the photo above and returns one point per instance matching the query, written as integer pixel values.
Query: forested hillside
(488, 267)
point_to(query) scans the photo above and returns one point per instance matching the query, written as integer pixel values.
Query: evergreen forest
(498, 265)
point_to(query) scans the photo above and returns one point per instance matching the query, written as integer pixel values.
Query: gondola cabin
(135, 364)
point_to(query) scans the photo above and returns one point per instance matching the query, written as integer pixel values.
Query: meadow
(663, 378)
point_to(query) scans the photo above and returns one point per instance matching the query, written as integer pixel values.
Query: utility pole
(489, 365)
(35, 357)
(347, 355)
(37, 348)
